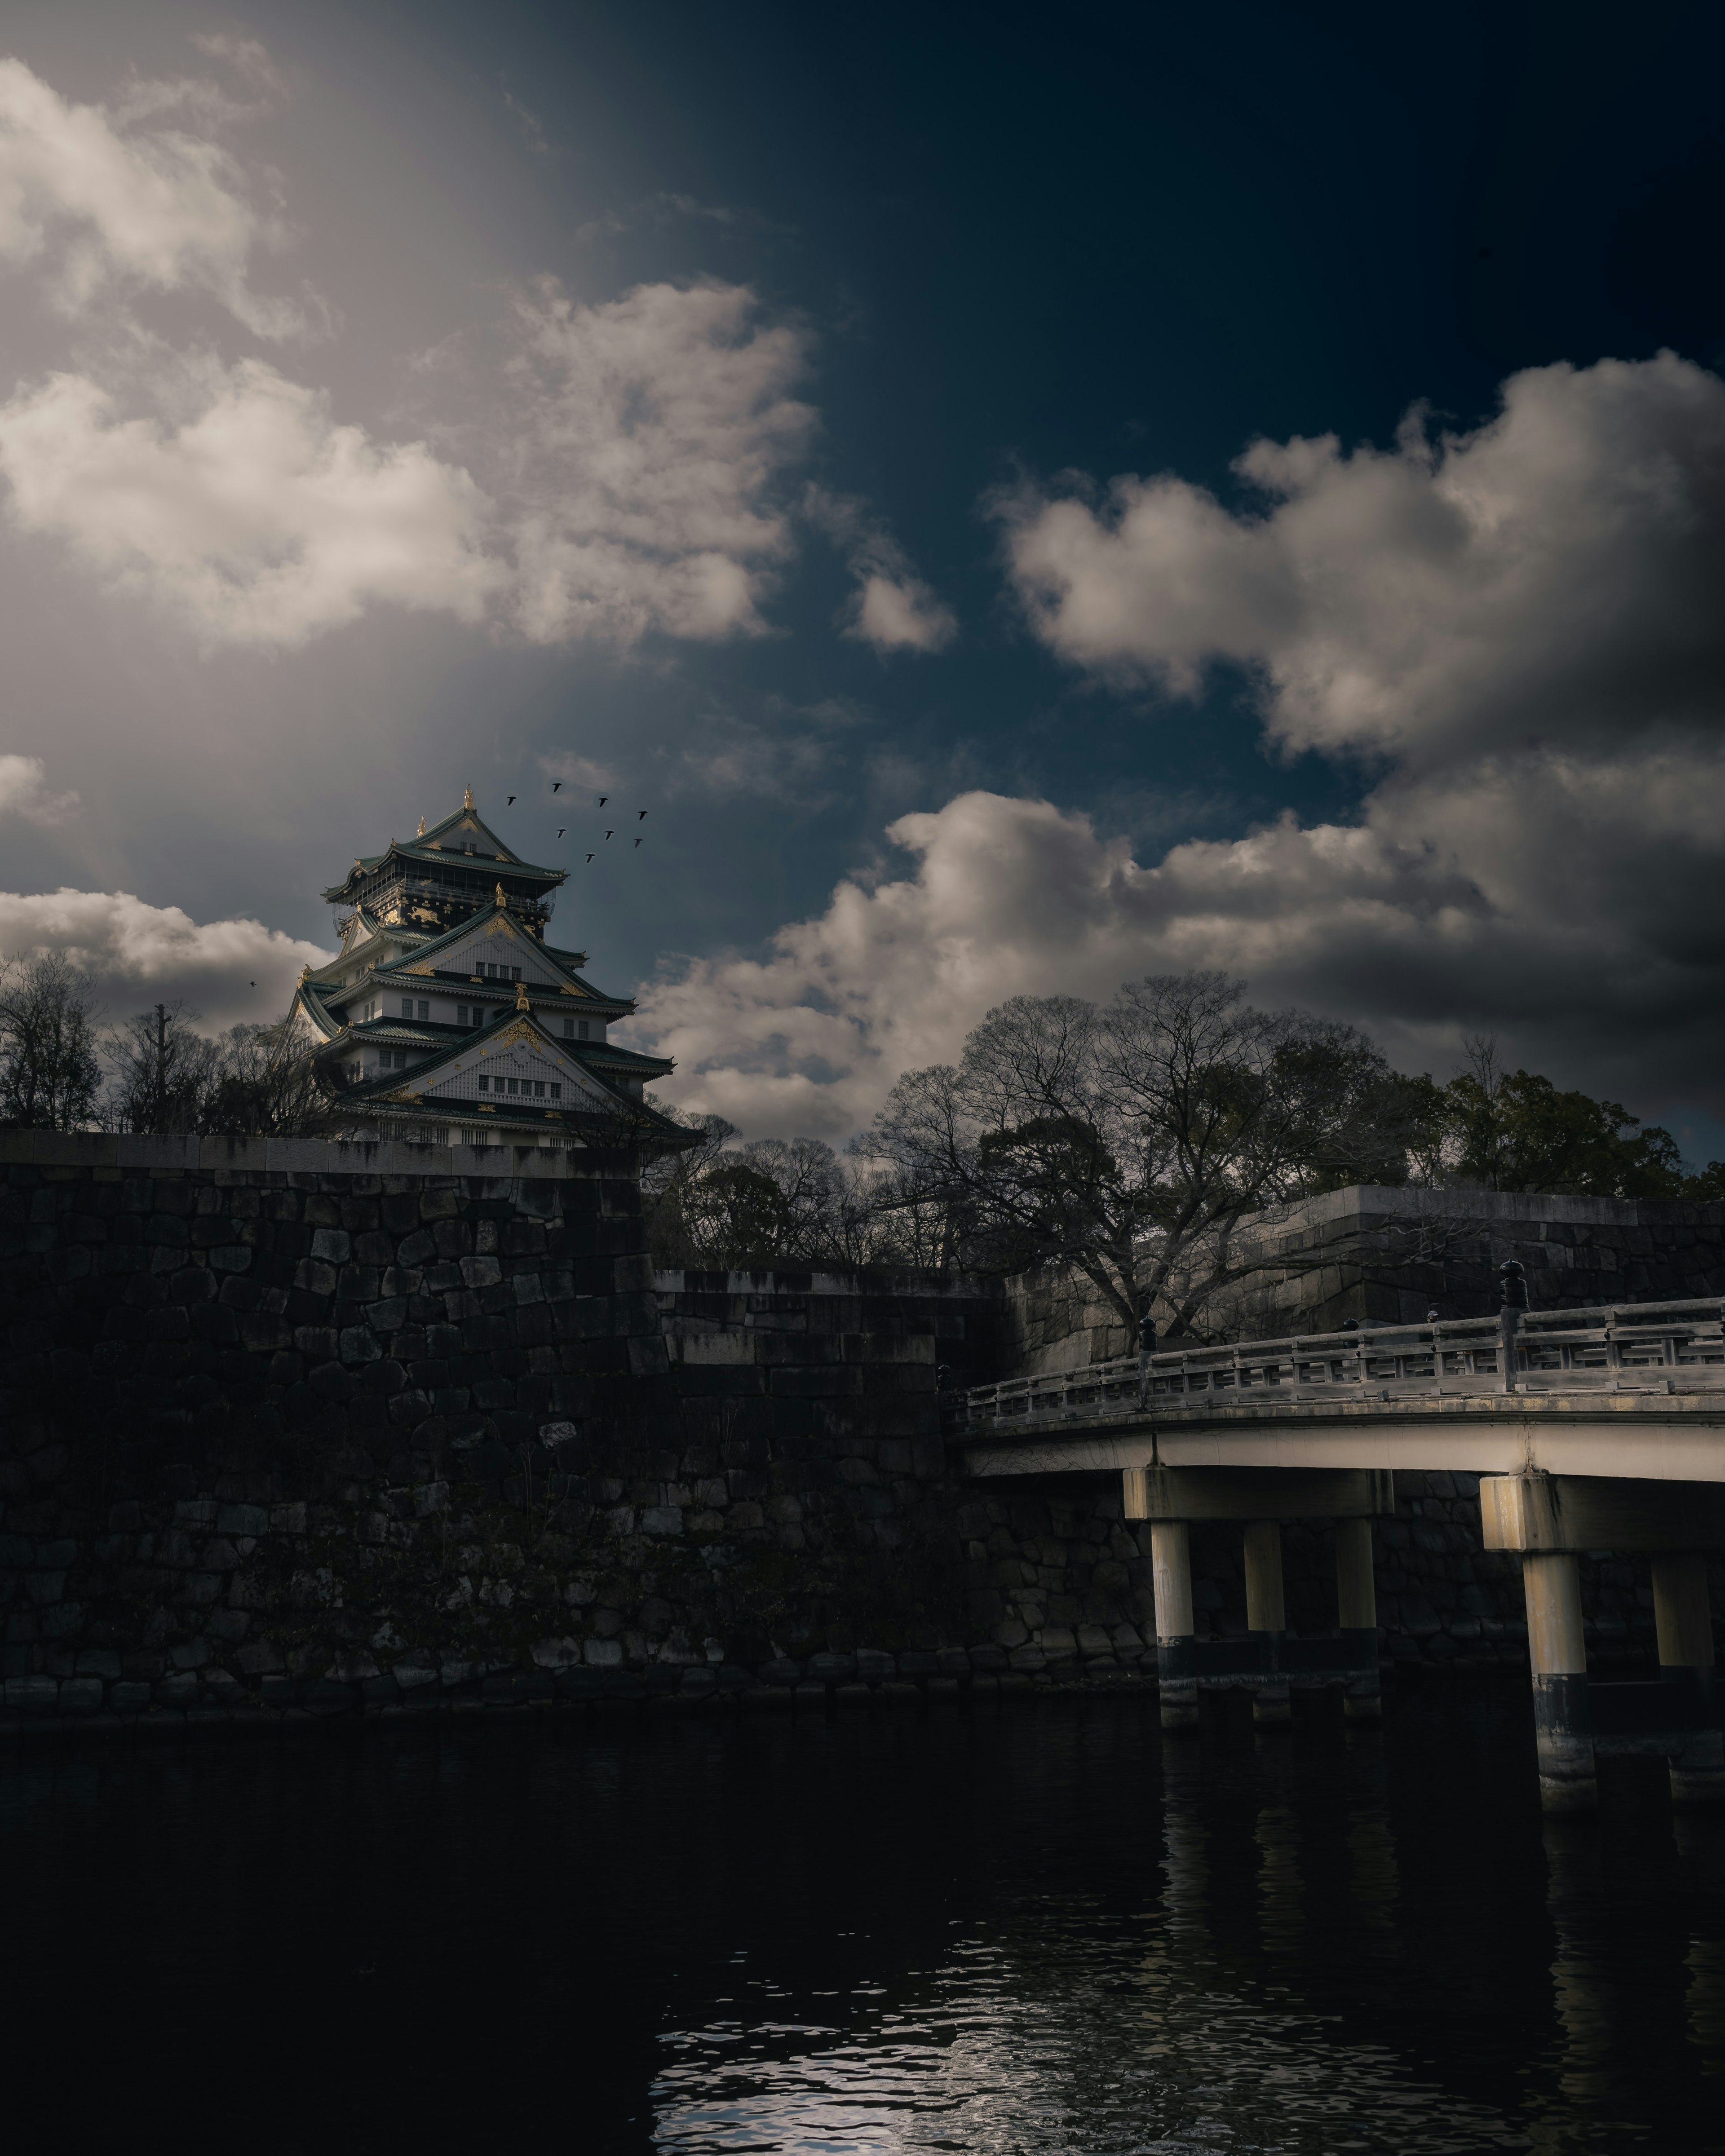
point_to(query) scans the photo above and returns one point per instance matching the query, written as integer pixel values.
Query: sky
(1024, 498)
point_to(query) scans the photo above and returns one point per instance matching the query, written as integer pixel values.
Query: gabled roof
(594, 1093)
(634, 1060)
(432, 848)
(308, 997)
(426, 953)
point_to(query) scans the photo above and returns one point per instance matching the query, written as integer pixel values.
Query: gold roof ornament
(521, 996)
(501, 900)
(420, 832)
(467, 797)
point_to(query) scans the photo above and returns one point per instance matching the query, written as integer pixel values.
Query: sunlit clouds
(628, 467)
(258, 519)
(24, 791)
(136, 952)
(103, 201)
(1522, 624)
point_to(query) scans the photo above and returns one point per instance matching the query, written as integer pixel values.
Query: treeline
(1146, 1143)
(61, 1068)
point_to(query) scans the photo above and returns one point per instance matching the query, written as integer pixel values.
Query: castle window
(568, 1028)
(586, 1030)
(557, 1091)
(407, 1006)
(425, 1010)
(484, 1085)
(514, 972)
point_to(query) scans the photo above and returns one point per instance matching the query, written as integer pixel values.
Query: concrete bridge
(1596, 1430)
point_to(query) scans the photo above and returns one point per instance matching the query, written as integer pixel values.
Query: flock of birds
(556, 787)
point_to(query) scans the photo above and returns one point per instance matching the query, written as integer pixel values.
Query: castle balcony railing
(1636, 1348)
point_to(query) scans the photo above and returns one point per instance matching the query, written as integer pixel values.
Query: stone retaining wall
(333, 1438)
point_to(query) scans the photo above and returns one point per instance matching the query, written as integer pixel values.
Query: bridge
(1594, 1430)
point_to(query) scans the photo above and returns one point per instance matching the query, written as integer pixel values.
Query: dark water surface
(1030, 1926)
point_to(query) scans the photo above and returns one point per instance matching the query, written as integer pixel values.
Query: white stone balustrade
(1640, 1347)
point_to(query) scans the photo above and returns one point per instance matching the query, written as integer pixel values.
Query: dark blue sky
(1114, 239)
(1016, 247)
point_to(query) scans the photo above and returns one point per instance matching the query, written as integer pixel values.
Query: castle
(445, 1016)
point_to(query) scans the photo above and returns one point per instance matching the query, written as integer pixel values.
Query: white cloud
(1434, 916)
(900, 613)
(892, 607)
(651, 437)
(1521, 625)
(116, 199)
(23, 792)
(639, 449)
(1555, 572)
(635, 454)
(258, 517)
(141, 953)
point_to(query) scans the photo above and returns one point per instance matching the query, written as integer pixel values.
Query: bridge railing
(1650, 1347)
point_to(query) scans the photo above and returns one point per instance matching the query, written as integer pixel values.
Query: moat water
(1031, 1926)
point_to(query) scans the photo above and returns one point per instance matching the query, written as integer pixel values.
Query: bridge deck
(1638, 1391)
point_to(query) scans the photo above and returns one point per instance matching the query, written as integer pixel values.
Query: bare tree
(772, 1202)
(164, 1072)
(267, 1086)
(1132, 1141)
(49, 1069)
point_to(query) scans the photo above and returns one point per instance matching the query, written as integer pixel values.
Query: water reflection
(1068, 2024)
(1036, 1927)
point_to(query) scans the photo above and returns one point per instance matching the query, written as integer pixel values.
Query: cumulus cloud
(1422, 938)
(624, 468)
(257, 517)
(1556, 571)
(652, 439)
(140, 953)
(892, 607)
(23, 792)
(1521, 626)
(121, 200)
(634, 452)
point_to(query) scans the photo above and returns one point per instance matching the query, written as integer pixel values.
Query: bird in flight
(637, 842)
(641, 816)
(560, 834)
(603, 799)
(589, 857)
(510, 804)
(255, 984)
(608, 834)
(556, 786)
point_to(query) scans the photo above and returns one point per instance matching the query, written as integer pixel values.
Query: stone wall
(325, 1431)
(963, 1316)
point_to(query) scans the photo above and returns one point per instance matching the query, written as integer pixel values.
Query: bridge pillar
(1684, 1626)
(1266, 1616)
(1563, 1715)
(1357, 1618)
(1176, 1654)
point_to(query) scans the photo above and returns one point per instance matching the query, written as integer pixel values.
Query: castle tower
(447, 1015)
